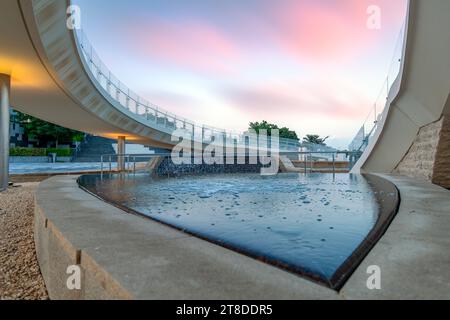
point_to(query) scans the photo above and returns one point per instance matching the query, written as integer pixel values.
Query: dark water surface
(310, 224)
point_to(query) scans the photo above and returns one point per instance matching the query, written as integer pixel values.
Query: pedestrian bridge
(52, 72)
(57, 76)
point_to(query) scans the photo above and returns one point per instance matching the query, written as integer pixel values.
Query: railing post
(387, 88)
(334, 164)
(305, 160)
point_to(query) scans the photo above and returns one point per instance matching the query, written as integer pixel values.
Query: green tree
(284, 132)
(44, 131)
(315, 139)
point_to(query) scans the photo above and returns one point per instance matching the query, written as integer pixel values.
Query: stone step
(93, 148)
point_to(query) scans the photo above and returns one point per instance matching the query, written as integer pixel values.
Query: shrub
(39, 152)
(27, 152)
(60, 152)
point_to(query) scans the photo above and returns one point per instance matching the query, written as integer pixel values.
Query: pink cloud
(334, 31)
(180, 104)
(194, 45)
(299, 100)
(320, 31)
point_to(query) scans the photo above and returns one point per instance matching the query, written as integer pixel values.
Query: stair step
(93, 148)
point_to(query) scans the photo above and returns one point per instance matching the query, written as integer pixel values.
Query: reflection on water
(311, 223)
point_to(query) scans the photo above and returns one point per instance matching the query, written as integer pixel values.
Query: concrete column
(4, 131)
(121, 150)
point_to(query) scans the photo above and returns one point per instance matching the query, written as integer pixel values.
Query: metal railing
(374, 118)
(149, 113)
(129, 161)
(308, 159)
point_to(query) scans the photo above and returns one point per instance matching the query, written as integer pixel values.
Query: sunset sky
(311, 65)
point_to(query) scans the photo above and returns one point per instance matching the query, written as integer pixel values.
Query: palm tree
(314, 139)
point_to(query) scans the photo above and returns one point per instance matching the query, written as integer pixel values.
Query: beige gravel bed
(20, 277)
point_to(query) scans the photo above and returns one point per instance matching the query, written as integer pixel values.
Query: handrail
(373, 119)
(130, 159)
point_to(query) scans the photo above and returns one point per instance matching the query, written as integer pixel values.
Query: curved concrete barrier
(56, 251)
(123, 256)
(418, 99)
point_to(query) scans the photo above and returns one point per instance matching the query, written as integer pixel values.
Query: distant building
(19, 138)
(16, 132)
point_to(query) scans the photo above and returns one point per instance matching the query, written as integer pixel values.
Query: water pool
(317, 225)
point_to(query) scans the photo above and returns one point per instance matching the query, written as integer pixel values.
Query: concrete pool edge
(170, 265)
(385, 192)
(124, 256)
(388, 209)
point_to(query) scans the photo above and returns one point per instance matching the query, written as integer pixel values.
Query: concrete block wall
(429, 156)
(167, 167)
(441, 172)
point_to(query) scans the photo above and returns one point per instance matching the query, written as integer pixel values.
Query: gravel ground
(20, 277)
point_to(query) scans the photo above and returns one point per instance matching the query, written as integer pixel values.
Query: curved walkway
(126, 256)
(414, 254)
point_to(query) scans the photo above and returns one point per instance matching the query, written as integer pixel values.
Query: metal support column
(4, 131)
(121, 154)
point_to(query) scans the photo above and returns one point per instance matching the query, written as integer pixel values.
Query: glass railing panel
(373, 119)
(123, 99)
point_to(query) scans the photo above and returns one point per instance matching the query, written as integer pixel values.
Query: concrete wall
(406, 139)
(429, 156)
(441, 173)
(56, 252)
(419, 161)
(167, 167)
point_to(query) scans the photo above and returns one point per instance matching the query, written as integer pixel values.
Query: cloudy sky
(311, 65)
